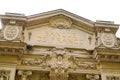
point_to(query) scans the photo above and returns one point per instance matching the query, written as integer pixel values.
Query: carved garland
(85, 65)
(34, 61)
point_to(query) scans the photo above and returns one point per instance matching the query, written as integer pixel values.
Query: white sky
(91, 9)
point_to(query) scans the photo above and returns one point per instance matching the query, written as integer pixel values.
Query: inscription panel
(50, 36)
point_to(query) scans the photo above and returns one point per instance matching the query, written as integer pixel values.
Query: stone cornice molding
(12, 48)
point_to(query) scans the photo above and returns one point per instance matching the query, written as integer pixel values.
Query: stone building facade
(58, 45)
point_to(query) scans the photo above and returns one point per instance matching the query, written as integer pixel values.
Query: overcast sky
(108, 10)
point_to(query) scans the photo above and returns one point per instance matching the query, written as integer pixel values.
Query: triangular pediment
(46, 16)
(60, 28)
(58, 12)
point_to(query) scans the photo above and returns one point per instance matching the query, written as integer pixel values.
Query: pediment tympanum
(61, 32)
(60, 29)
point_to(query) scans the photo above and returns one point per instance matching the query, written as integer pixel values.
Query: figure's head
(59, 57)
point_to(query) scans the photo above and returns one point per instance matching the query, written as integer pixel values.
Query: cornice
(107, 51)
(47, 15)
(107, 55)
(12, 48)
(9, 44)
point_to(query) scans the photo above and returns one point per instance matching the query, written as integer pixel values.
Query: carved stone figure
(59, 68)
(108, 39)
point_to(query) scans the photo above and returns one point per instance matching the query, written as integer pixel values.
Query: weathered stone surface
(58, 45)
